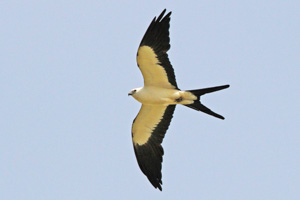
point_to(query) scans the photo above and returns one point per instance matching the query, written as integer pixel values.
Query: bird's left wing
(152, 57)
(148, 130)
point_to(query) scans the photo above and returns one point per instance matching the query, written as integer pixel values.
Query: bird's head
(133, 91)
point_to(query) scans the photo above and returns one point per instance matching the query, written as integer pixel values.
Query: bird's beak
(129, 94)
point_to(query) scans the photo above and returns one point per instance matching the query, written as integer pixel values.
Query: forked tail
(200, 107)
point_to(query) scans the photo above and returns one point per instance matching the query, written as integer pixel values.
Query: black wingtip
(164, 11)
(160, 188)
(157, 186)
(162, 17)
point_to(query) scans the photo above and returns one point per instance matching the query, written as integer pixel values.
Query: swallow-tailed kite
(159, 96)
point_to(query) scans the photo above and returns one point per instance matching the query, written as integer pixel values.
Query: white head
(134, 91)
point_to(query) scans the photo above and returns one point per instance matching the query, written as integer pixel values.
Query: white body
(152, 95)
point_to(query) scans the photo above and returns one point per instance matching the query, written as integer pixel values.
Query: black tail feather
(203, 91)
(200, 107)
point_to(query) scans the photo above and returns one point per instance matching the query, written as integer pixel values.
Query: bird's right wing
(148, 130)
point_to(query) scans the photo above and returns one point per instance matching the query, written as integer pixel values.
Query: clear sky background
(65, 118)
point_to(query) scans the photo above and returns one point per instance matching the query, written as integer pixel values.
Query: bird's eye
(134, 91)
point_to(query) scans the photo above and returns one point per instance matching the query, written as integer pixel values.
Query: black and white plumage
(159, 97)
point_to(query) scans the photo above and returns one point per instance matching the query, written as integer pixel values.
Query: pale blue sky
(65, 117)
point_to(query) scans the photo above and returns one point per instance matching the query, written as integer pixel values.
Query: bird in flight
(159, 97)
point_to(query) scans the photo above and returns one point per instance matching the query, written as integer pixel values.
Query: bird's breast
(157, 96)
